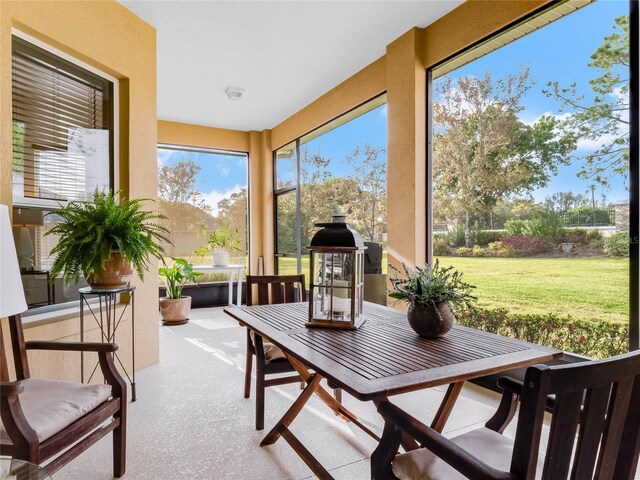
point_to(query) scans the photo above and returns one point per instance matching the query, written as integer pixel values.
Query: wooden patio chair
(49, 422)
(595, 430)
(270, 360)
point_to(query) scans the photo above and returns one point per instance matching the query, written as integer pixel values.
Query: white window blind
(62, 122)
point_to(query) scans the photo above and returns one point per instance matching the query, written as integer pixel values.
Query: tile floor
(191, 420)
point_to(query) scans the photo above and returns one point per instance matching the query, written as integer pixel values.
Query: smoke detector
(234, 93)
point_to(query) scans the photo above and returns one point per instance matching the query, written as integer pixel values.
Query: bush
(464, 252)
(478, 251)
(526, 246)
(498, 249)
(541, 224)
(617, 245)
(594, 236)
(584, 337)
(577, 236)
(456, 236)
(441, 246)
(485, 237)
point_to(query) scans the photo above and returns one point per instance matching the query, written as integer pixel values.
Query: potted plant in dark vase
(105, 240)
(219, 243)
(431, 292)
(174, 308)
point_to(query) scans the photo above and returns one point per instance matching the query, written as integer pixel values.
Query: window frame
(60, 59)
(634, 155)
(332, 124)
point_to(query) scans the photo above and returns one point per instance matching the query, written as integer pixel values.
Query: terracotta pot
(432, 320)
(116, 273)
(175, 311)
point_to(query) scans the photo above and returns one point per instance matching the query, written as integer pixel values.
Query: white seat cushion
(485, 444)
(50, 405)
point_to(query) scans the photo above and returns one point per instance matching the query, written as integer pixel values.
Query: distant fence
(577, 218)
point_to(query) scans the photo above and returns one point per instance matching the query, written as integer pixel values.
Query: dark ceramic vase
(432, 320)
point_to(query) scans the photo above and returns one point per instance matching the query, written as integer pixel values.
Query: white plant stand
(233, 271)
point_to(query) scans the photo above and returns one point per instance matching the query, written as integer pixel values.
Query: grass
(594, 288)
(585, 288)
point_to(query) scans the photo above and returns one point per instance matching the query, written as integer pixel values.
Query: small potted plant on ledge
(105, 240)
(219, 242)
(174, 308)
(430, 292)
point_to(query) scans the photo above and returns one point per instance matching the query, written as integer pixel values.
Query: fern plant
(89, 231)
(431, 285)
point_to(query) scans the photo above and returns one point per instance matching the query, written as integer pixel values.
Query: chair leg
(247, 374)
(259, 395)
(120, 448)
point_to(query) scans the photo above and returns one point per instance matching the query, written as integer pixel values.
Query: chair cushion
(488, 446)
(50, 405)
(271, 351)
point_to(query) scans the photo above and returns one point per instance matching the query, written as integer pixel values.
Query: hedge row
(584, 337)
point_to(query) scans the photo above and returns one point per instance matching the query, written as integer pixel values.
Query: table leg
(239, 288)
(449, 400)
(230, 288)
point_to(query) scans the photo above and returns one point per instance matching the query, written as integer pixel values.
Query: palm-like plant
(89, 231)
(431, 285)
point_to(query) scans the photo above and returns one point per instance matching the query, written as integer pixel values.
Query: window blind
(62, 127)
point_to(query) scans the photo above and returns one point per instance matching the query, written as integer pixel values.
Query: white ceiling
(285, 54)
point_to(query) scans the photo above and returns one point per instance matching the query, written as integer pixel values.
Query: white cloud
(223, 170)
(164, 156)
(214, 196)
(384, 110)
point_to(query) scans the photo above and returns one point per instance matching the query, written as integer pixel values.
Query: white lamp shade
(12, 299)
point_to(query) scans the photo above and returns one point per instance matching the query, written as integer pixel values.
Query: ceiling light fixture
(234, 93)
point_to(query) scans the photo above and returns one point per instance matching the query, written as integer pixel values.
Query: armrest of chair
(11, 388)
(72, 346)
(511, 390)
(448, 451)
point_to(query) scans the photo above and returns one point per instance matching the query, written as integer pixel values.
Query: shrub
(617, 245)
(526, 246)
(485, 237)
(498, 249)
(464, 251)
(594, 236)
(578, 236)
(456, 236)
(441, 246)
(541, 224)
(478, 251)
(597, 339)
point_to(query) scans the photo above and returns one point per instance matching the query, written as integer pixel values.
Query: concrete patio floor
(191, 420)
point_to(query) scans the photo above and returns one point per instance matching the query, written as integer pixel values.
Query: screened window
(340, 166)
(62, 132)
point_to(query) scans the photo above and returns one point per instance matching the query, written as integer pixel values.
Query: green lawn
(585, 288)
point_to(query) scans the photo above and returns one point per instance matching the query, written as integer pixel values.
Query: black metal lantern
(337, 273)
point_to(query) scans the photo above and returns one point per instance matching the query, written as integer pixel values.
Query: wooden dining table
(384, 357)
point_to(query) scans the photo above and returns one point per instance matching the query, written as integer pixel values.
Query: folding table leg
(448, 402)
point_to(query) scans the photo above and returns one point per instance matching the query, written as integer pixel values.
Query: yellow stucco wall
(110, 38)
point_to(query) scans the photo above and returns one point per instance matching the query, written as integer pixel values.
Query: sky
(558, 52)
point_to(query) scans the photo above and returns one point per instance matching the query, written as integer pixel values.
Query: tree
(605, 117)
(183, 205)
(369, 207)
(482, 152)
(232, 211)
(177, 184)
(562, 202)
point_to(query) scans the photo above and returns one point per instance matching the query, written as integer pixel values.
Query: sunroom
(493, 139)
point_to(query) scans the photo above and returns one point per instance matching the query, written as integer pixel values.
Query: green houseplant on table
(105, 240)
(219, 242)
(430, 292)
(174, 308)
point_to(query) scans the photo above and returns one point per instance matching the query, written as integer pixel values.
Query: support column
(406, 150)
